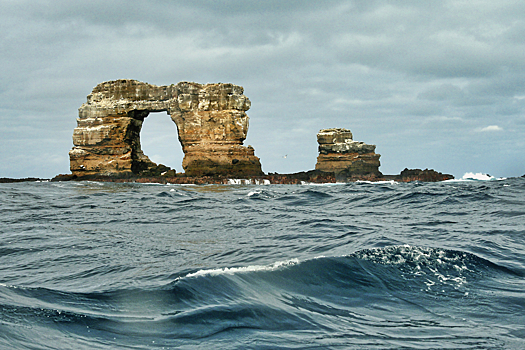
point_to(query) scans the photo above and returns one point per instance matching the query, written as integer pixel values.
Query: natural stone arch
(211, 121)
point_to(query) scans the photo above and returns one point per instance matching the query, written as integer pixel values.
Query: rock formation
(427, 175)
(212, 125)
(211, 122)
(340, 154)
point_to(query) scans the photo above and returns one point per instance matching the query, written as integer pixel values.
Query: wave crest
(253, 268)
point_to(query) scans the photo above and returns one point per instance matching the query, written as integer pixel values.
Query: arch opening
(159, 141)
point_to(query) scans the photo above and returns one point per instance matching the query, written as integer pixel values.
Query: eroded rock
(427, 175)
(346, 158)
(211, 121)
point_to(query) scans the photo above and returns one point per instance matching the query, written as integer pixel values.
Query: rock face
(427, 175)
(211, 122)
(340, 154)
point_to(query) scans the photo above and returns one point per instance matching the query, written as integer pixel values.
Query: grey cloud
(442, 92)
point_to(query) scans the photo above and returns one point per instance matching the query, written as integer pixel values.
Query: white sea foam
(476, 177)
(261, 182)
(389, 182)
(248, 182)
(234, 270)
(468, 177)
(420, 259)
(234, 181)
(322, 184)
(97, 183)
(252, 193)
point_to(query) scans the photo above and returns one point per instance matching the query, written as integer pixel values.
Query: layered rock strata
(211, 121)
(346, 158)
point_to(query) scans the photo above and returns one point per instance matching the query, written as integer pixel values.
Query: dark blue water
(355, 266)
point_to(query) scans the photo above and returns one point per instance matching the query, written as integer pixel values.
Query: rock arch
(211, 121)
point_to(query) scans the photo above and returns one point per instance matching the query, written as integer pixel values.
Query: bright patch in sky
(491, 128)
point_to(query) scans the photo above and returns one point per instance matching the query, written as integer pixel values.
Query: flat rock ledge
(5, 180)
(312, 176)
(304, 177)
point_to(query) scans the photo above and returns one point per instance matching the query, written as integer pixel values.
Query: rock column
(212, 125)
(340, 154)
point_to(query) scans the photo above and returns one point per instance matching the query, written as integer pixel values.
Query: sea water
(87, 265)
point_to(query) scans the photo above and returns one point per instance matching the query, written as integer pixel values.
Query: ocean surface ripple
(87, 265)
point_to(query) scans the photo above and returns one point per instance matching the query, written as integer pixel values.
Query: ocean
(88, 265)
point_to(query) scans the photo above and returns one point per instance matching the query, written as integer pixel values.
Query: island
(212, 125)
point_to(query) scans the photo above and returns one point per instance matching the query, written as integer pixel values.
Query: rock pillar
(339, 153)
(213, 125)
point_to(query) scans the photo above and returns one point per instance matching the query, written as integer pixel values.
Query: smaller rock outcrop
(4, 180)
(346, 158)
(427, 175)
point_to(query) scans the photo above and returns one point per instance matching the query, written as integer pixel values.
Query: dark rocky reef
(4, 180)
(312, 176)
(427, 175)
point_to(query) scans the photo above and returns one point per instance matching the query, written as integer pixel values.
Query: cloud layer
(432, 84)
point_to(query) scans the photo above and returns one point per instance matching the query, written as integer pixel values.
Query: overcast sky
(434, 84)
